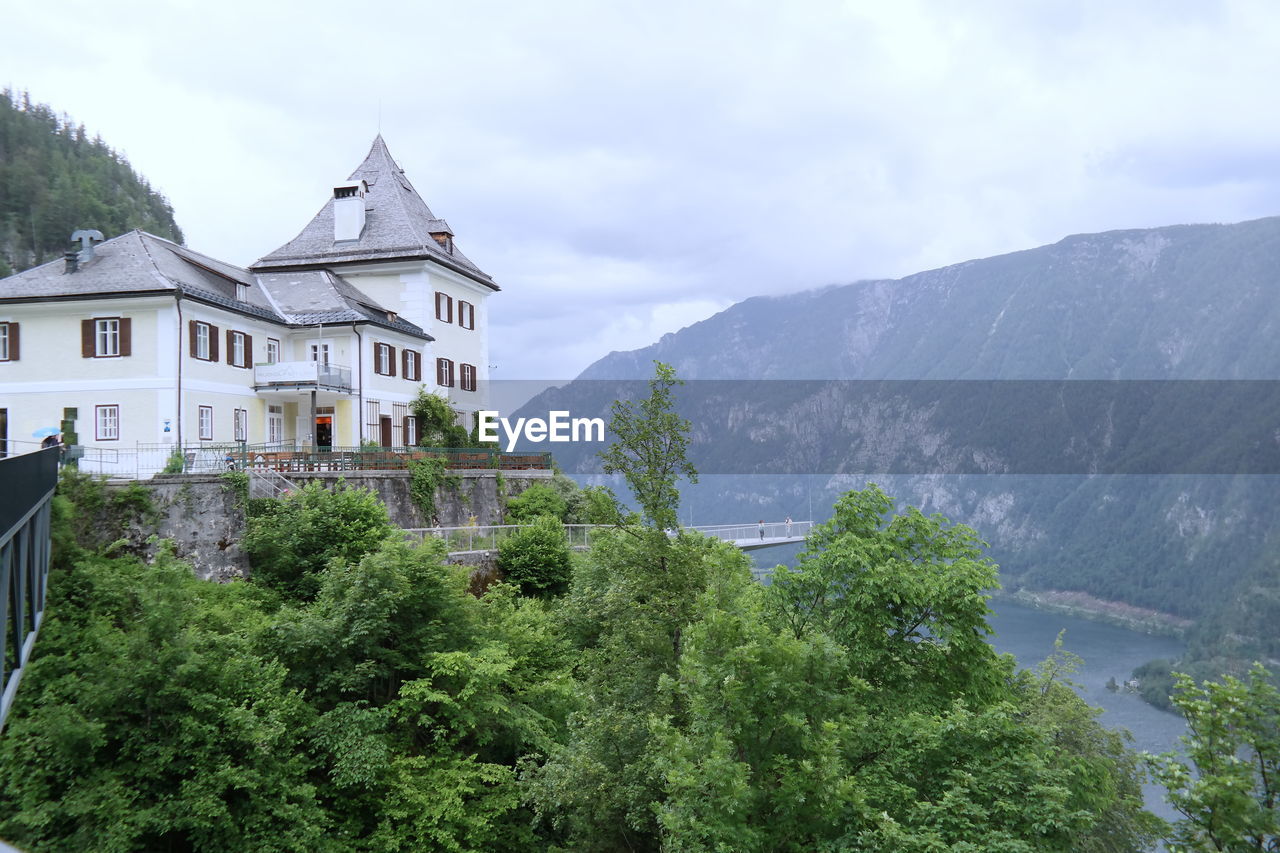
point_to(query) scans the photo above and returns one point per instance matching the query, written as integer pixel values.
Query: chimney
(73, 262)
(348, 210)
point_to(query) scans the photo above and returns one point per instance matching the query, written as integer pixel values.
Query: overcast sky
(625, 169)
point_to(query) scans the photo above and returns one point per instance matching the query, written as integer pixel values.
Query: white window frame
(275, 424)
(205, 420)
(4, 342)
(384, 359)
(240, 424)
(242, 292)
(106, 337)
(273, 350)
(466, 315)
(444, 372)
(465, 372)
(320, 351)
(411, 365)
(238, 355)
(106, 422)
(203, 335)
(411, 426)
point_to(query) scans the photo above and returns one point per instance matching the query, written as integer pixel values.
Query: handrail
(25, 551)
(486, 537)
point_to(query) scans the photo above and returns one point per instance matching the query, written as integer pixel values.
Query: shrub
(291, 542)
(537, 558)
(534, 502)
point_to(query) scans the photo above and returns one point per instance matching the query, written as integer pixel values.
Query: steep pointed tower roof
(398, 225)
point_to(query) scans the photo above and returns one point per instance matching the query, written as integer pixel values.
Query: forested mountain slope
(54, 179)
(1187, 302)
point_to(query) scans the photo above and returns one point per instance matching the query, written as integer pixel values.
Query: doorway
(324, 431)
(385, 423)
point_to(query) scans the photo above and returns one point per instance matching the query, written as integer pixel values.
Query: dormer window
(445, 240)
(242, 292)
(345, 192)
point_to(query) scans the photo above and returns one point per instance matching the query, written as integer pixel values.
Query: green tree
(537, 558)
(1230, 801)
(150, 721)
(906, 594)
(534, 502)
(436, 421)
(650, 450)
(290, 541)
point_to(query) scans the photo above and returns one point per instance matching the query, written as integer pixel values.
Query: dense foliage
(54, 179)
(665, 702)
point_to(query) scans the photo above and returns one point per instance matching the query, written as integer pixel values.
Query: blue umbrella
(46, 432)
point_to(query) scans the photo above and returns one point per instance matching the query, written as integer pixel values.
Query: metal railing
(299, 374)
(29, 482)
(389, 459)
(487, 537)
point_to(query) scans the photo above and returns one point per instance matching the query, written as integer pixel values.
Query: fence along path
(481, 538)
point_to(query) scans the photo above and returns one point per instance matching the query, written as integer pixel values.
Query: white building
(141, 342)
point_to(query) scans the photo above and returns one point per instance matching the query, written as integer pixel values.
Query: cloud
(623, 169)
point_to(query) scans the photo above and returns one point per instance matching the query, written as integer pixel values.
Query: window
(105, 337)
(466, 315)
(204, 341)
(444, 307)
(240, 422)
(273, 350)
(410, 368)
(106, 423)
(411, 430)
(467, 375)
(320, 352)
(384, 359)
(275, 424)
(444, 372)
(372, 421)
(239, 349)
(206, 423)
(8, 341)
(242, 292)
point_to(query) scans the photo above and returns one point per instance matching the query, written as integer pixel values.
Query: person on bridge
(788, 527)
(762, 529)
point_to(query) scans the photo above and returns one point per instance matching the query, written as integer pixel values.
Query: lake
(1107, 650)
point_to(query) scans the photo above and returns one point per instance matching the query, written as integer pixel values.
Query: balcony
(301, 376)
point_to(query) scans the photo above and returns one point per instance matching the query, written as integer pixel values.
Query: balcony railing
(301, 375)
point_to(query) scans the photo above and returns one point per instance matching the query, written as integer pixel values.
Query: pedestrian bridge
(483, 538)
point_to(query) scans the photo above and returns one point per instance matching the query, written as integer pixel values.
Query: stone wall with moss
(204, 515)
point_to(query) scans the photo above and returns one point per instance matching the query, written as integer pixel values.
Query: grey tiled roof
(309, 297)
(398, 225)
(138, 262)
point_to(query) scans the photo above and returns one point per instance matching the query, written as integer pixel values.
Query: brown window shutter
(191, 337)
(391, 360)
(230, 348)
(126, 336)
(448, 305)
(248, 351)
(14, 349)
(404, 364)
(86, 339)
(213, 342)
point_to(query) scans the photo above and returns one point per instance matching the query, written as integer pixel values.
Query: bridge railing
(487, 537)
(760, 530)
(28, 482)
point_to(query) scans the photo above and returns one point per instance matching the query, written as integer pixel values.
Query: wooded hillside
(55, 179)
